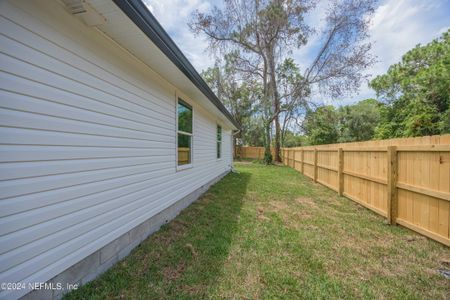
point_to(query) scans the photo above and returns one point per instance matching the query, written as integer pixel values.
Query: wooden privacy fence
(183, 155)
(250, 152)
(405, 180)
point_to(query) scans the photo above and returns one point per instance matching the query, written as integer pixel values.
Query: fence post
(303, 158)
(341, 171)
(392, 201)
(315, 164)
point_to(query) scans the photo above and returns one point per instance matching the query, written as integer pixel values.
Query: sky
(397, 26)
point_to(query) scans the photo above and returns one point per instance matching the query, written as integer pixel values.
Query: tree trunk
(277, 133)
(266, 124)
(276, 105)
(267, 152)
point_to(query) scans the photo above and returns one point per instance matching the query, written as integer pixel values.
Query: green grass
(269, 232)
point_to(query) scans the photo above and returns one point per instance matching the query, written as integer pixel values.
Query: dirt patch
(278, 205)
(177, 229)
(377, 254)
(302, 215)
(260, 214)
(252, 196)
(165, 239)
(306, 201)
(311, 227)
(296, 221)
(191, 249)
(332, 199)
(413, 238)
(251, 281)
(193, 290)
(206, 199)
(173, 273)
(263, 218)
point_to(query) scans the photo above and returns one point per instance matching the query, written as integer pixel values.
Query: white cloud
(174, 16)
(397, 26)
(442, 30)
(316, 20)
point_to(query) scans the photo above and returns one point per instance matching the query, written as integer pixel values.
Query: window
(219, 142)
(184, 132)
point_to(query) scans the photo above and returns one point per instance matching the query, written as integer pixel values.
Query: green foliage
(416, 92)
(184, 117)
(268, 158)
(415, 95)
(320, 125)
(294, 140)
(238, 96)
(253, 135)
(350, 123)
(358, 122)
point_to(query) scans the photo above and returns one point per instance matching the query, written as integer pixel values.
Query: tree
(416, 92)
(293, 97)
(291, 139)
(258, 31)
(350, 123)
(358, 122)
(254, 135)
(320, 126)
(237, 95)
(264, 32)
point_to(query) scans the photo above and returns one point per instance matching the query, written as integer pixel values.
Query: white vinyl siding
(87, 142)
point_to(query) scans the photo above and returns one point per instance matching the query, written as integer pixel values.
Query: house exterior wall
(87, 142)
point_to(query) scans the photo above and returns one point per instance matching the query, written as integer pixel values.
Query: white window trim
(191, 164)
(221, 142)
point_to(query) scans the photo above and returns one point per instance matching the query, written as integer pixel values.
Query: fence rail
(405, 180)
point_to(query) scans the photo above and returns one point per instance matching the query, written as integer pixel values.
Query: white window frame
(191, 164)
(221, 141)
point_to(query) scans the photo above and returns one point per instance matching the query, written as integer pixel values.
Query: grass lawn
(269, 232)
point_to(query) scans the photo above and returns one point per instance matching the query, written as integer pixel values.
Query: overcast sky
(397, 26)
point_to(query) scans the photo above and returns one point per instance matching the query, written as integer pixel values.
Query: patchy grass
(269, 232)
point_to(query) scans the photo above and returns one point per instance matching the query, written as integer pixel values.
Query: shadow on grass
(185, 257)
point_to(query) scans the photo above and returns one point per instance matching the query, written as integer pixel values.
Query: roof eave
(147, 23)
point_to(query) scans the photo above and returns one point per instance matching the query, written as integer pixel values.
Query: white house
(106, 132)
